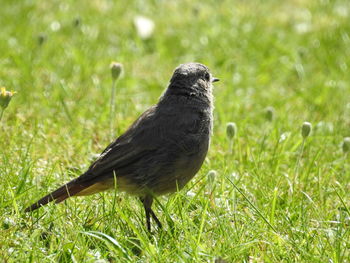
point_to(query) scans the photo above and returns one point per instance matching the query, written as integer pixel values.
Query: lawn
(277, 197)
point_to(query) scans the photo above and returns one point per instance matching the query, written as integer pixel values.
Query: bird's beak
(215, 80)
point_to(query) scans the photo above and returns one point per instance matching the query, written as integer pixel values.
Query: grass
(269, 202)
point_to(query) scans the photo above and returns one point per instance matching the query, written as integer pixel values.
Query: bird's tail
(70, 189)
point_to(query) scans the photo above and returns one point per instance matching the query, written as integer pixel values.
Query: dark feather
(59, 195)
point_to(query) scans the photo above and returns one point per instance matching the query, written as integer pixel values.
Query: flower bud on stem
(231, 131)
(306, 129)
(116, 71)
(5, 98)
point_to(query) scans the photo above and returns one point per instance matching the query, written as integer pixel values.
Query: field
(277, 197)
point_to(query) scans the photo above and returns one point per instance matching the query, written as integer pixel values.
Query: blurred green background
(290, 55)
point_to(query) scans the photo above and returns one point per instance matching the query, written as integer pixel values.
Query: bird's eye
(207, 76)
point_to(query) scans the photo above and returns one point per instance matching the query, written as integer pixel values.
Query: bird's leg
(155, 218)
(147, 204)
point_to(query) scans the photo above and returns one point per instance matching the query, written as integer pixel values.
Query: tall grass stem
(112, 110)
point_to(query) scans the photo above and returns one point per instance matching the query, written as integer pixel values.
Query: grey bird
(161, 151)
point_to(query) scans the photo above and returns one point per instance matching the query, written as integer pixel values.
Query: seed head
(5, 97)
(346, 145)
(116, 69)
(211, 176)
(231, 130)
(77, 21)
(41, 38)
(270, 113)
(306, 129)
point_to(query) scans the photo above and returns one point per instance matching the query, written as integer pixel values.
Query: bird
(160, 152)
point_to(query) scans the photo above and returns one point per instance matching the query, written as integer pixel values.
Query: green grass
(270, 201)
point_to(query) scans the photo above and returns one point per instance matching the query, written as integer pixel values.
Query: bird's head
(191, 79)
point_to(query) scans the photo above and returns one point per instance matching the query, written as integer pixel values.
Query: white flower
(55, 26)
(303, 28)
(144, 26)
(284, 136)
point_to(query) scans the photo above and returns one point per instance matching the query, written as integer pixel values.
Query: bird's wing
(133, 145)
(147, 137)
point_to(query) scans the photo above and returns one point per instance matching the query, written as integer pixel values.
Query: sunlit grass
(278, 197)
